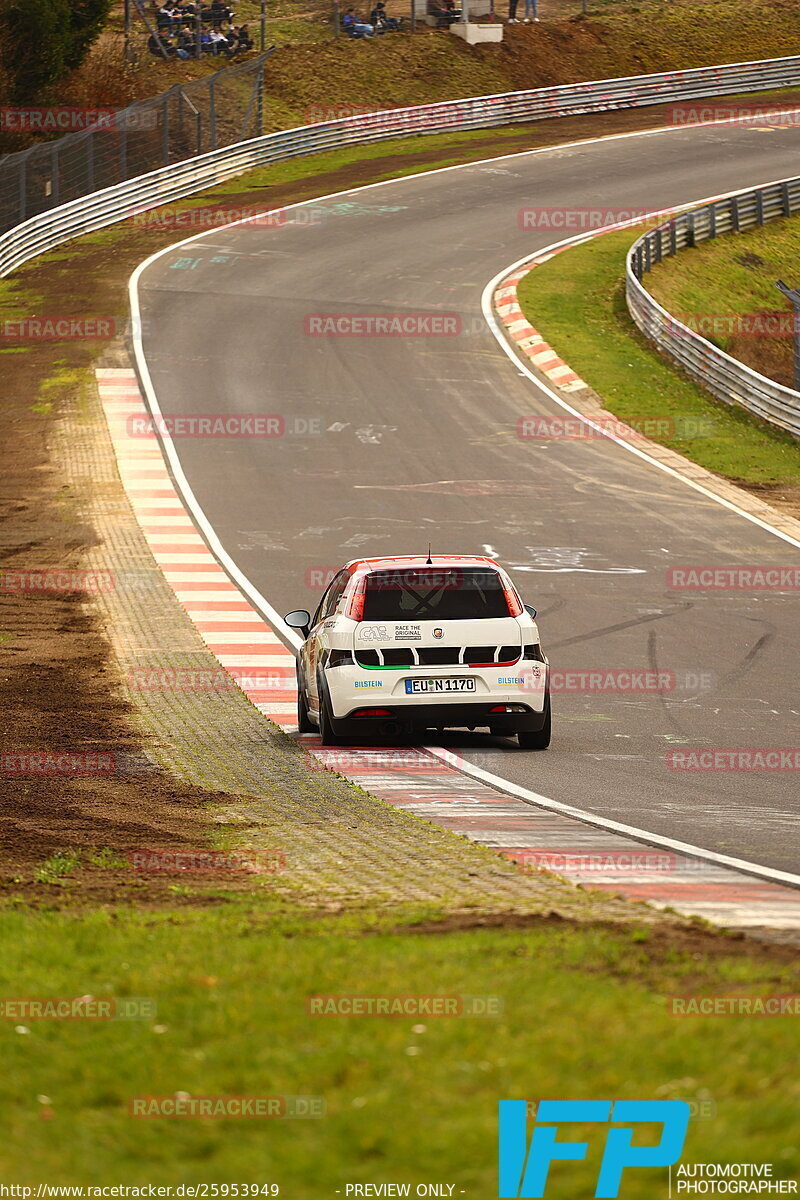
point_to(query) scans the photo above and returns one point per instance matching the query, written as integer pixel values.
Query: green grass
(577, 301)
(58, 866)
(735, 276)
(408, 1099)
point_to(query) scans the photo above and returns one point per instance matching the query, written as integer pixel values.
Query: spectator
(355, 28)
(168, 17)
(379, 20)
(512, 12)
(530, 12)
(445, 12)
(220, 12)
(187, 42)
(160, 46)
(219, 43)
(245, 42)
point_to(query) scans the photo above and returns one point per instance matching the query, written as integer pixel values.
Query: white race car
(399, 645)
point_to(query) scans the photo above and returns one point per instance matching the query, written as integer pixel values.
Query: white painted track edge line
(184, 487)
(655, 839)
(185, 490)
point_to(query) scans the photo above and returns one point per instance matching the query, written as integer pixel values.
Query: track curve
(420, 445)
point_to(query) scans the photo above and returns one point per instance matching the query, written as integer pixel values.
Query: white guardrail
(725, 377)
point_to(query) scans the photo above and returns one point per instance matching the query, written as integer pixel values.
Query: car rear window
(434, 594)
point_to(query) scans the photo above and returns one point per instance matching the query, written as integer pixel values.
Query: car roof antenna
(429, 563)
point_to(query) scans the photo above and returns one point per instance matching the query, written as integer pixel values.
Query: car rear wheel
(328, 737)
(539, 739)
(303, 720)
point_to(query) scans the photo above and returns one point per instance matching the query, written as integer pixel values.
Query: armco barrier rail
(100, 208)
(725, 377)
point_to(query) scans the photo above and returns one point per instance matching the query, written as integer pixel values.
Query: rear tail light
(355, 605)
(512, 600)
(372, 712)
(508, 708)
(533, 651)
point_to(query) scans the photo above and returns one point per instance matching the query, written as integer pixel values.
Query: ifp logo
(524, 1169)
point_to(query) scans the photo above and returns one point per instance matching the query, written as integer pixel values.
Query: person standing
(512, 12)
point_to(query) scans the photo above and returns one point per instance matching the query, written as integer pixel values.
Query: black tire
(328, 737)
(538, 739)
(304, 723)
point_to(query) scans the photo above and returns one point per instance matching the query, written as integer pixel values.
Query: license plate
(415, 686)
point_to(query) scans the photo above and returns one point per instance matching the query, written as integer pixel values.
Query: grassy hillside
(615, 38)
(726, 288)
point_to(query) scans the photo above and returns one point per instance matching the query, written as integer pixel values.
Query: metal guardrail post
(90, 163)
(735, 213)
(165, 129)
(760, 206)
(794, 295)
(23, 188)
(212, 112)
(55, 182)
(123, 152)
(787, 199)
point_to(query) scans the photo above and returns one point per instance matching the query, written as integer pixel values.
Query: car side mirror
(299, 619)
(530, 610)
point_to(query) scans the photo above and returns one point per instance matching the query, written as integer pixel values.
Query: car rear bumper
(439, 716)
(525, 684)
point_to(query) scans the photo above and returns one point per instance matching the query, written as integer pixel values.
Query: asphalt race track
(419, 444)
